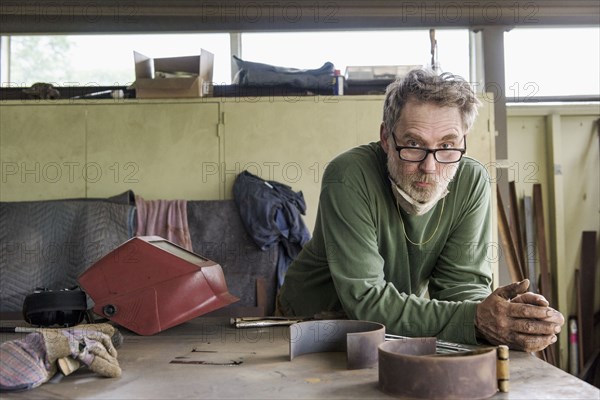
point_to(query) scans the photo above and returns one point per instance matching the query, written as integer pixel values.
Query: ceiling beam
(161, 16)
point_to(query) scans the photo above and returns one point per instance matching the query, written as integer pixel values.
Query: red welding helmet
(149, 284)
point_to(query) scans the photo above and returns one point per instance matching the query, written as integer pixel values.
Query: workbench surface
(207, 359)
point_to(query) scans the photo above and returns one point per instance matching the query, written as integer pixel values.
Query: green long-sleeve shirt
(360, 262)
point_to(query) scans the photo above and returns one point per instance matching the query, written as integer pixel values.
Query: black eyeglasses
(418, 154)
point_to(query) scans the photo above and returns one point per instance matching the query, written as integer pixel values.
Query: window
(105, 60)
(552, 62)
(539, 61)
(358, 48)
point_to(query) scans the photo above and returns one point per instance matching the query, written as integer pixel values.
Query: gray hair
(425, 86)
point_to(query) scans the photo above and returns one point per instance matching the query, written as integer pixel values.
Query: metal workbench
(207, 359)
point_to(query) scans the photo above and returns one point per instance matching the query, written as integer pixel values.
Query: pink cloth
(164, 218)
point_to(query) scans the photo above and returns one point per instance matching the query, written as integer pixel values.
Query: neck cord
(434, 232)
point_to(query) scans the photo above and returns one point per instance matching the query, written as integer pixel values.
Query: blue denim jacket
(272, 215)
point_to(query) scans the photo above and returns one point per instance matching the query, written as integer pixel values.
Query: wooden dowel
(502, 368)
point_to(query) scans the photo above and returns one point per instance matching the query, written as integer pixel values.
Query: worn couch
(50, 243)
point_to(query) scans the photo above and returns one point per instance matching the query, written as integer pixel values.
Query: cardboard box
(197, 72)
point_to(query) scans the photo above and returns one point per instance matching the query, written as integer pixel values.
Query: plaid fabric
(23, 363)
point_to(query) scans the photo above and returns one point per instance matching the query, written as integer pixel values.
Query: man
(408, 215)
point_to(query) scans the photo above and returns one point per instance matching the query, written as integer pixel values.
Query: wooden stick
(261, 296)
(530, 244)
(586, 294)
(545, 280)
(511, 257)
(538, 207)
(579, 324)
(515, 227)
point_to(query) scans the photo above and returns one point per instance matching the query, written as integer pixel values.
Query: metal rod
(441, 346)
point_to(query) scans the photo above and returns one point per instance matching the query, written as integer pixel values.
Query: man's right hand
(517, 318)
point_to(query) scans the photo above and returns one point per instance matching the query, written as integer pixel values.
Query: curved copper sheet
(410, 368)
(359, 339)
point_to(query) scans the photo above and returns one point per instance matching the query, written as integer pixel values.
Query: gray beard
(411, 199)
(410, 205)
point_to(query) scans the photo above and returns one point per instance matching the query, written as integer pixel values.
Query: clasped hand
(517, 318)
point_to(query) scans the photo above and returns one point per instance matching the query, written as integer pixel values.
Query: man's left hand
(517, 318)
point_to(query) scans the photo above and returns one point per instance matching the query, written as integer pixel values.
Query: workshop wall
(557, 147)
(187, 149)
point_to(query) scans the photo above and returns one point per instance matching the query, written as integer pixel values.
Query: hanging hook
(433, 42)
